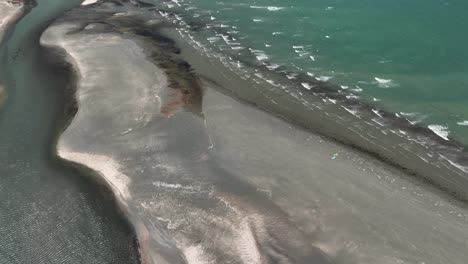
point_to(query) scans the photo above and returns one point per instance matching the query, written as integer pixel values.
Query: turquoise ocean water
(406, 57)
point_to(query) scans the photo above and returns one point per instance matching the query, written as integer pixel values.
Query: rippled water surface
(408, 57)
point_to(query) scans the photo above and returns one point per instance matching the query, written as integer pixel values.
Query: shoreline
(322, 124)
(62, 60)
(193, 251)
(45, 174)
(13, 12)
(327, 89)
(107, 170)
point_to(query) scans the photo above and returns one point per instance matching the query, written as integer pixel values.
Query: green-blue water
(407, 57)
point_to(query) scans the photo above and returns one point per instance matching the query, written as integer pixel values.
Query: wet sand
(206, 178)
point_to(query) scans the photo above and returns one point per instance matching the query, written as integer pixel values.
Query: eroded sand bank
(8, 11)
(232, 184)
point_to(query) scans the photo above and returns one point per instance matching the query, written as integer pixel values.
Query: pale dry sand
(91, 59)
(106, 166)
(8, 12)
(240, 185)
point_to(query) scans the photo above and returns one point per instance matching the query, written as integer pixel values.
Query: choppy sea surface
(406, 57)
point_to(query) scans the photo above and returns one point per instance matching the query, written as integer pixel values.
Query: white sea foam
(292, 76)
(262, 57)
(352, 96)
(377, 121)
(213, 39)
(164, 14)
(384, 83)
(323, 78)
(274, 8)
(308, 86)
(312, 58)
(257, 20)
(310, 74)
(177, 2)
(89, 2)
(273, 67)
(441, 131)
(351, 111)
(269, 8)
(377, 112)
(272, 82)
(462, 168)
(277, 33)
(408, 114)
(463, 123)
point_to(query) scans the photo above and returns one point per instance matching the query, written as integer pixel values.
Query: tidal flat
(207, 178)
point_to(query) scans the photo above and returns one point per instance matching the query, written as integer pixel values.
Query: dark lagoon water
(50, 212)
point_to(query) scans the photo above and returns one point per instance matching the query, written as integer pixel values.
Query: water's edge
(66, 64)
(54, 60)
(155, 36)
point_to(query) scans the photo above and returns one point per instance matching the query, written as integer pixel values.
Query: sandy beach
(8, 12)
(206, 178)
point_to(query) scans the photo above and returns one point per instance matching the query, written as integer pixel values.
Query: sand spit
(133, 81)
(218, 181)
(8, 11)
